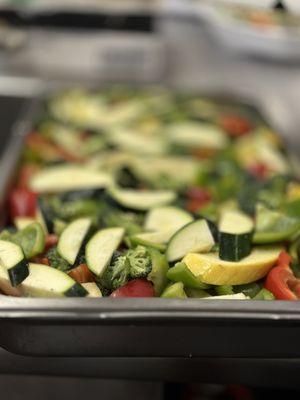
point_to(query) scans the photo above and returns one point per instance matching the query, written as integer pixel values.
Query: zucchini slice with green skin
(235, 235)
(142, 200)
(68, 177)
(45, 215)
(12, 259)
(44, 281)
(92, 289)
(152, 239)
(72, 239)
(193, 237)
(101, 247)
(166, 218)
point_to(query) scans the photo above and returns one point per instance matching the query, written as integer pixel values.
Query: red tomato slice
(235, 125)
(281, 281)
(135, 288)
(81, 274)
(51, 240)
(22, 203)
(197, 198)
(259, 170)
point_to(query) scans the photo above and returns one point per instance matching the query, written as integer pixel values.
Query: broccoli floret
(135, 263)
(116, 274)
(140, 262)
(56, 261)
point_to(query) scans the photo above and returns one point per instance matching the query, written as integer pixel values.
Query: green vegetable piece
(117, 273)
(56, 261)
(158, 274)
(174, 291)
(292, 208)
(31, 239)
(264, 294)
(181, 273)
(196, 293)
(223, 290)
(274, 226)
(58, 226)
(134, 241)
(140, 262)
(249, 289)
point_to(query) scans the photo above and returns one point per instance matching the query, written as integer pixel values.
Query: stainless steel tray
(140, 327)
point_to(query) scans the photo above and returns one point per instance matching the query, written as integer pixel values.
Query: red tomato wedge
(51, 240)
(22, 203)
(281, 281)
(235, 125)
(135, 288)
(81, 274)
(197, 198)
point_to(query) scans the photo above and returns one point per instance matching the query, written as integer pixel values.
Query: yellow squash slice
(209, 268)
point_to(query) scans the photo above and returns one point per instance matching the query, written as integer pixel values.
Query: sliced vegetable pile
(143, 193)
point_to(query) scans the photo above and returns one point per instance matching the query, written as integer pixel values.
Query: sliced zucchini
(152, 239)
(72, 239)
(12, 259)
(45, 215)
(21, 222)
(92, 289)
(209, 268)
(235, 238)
(273, 226)
(100, 248)
(168, 219)
(44, 281)
(142, 200)
(128, 140)
(68, 177)
(197, 135)
(6, 286)
(193, 237)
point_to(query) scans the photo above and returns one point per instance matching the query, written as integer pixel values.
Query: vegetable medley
(144, 192)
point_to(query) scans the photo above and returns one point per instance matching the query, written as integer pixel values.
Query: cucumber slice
(72, 238)
(31, 239)
(68, 177)
(209, 268)
(44, 281)
(92, 289)
(100, 248)
(193, 237)
(235, 238)
(142, 200)
(13, 261)
(198, 135)
(166, 218)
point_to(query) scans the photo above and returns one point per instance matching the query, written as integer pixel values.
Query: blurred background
(245, 47)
